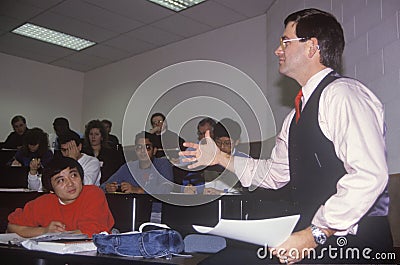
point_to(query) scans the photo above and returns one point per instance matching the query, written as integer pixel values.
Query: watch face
(319, 236)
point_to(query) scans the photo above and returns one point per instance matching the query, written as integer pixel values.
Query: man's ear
(79, 147)
(235, 143)
(313, 47)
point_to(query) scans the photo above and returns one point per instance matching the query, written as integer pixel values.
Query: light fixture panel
(53, 37)
(177, 5)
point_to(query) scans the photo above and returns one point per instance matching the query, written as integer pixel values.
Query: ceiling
(122, 28)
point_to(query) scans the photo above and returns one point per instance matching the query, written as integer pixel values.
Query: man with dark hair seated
(70, 206)
(148, 174)
(15, 139)
(71, 146)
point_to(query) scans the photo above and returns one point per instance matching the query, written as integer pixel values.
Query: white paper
(15, 190)
(265, 232)
(11, 238)
(61, 248)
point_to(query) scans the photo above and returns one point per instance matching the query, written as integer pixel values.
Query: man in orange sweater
(70, 206)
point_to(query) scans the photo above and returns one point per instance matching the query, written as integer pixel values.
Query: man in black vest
(331, 150)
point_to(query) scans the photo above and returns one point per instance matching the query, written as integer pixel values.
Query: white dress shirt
(91, 171)
(352, 117)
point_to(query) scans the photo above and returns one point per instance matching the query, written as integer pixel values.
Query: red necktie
(297, 102)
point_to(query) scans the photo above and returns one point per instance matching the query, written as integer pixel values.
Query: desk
(9, 201)
(131, 210)
(17, 255)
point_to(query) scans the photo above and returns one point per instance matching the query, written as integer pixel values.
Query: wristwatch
(319, 236)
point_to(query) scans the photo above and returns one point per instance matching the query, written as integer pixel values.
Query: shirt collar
(312, 84)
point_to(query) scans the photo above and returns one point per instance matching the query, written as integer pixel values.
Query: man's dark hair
(145, 135)
(55, 166)
(61, 121)
(157, 114)
(68, 136)
(205, 121)
(36, 136)
(61, 125)
(18, 118)
(108, 122)
(326, 29)
(227, 128)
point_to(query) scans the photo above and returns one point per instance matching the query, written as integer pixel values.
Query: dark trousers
(373, 244)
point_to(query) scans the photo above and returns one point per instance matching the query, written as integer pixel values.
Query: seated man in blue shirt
(148, 174)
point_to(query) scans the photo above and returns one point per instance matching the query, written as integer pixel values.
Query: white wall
(242, 45)
(372, 55)
(39, 92)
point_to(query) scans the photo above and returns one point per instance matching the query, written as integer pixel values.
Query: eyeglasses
(225, 143)
(141, 147)
(283, 41)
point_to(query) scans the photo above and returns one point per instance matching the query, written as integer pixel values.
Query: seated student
(35, 147)
(148, 174)
(71, 146)
(168, 143)
(69, 206)
(113, 141)
(60, 126)
(15, 139)
(96, 144)
(218, 180)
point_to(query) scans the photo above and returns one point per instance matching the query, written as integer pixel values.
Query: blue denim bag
(150, 244)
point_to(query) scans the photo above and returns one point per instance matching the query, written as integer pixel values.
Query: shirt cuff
(320, 221)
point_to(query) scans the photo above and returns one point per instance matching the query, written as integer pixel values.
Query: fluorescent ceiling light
(177, 5)
(53, 37)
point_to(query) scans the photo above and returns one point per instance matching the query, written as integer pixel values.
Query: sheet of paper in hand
(266, 232)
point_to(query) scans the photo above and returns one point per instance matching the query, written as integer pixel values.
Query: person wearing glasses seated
(148, 174)
(70, 205)
(168, 143)
(217, 180)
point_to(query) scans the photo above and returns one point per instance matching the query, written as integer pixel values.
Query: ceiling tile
(74, 66)
(249, 8)
(121, 28)
(14, 42)
(8, 23)
(153, 35)
(43, 4)
(182, 26)
(18, 10)
(73, 27)
(106, 52)
(132, 45)
(100, 17)
(141, 10)
(213, 14)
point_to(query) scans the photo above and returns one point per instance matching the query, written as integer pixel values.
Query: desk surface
(19, 255)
